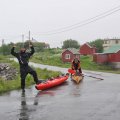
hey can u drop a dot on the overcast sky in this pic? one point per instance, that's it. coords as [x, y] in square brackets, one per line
[17, 17]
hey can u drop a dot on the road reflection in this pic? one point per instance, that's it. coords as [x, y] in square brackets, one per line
[24, 115]
[26, 109]
[50, 93]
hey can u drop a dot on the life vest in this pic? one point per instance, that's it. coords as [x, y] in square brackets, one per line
[75, 66]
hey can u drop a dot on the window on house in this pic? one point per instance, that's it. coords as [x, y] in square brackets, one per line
[78, 56]
[67, 56]
[105, 42]
[116, 41]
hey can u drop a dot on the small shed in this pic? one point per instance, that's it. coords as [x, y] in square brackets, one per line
[100, 58]
[110, 56]
[69, 54]
[86, 49]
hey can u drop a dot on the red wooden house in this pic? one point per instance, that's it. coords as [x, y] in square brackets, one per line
[69, 54]
[86, 49]
[110, 56]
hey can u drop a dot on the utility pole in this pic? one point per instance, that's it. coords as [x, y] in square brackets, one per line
[29, 35]
[23, 40]
[3, 42]
[29, 39]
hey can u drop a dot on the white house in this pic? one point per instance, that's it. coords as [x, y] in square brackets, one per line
[110, 42]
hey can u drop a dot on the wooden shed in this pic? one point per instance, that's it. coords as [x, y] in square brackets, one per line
[69, 54]
[100, 58]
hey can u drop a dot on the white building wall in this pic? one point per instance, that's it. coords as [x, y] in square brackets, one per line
[109, 42]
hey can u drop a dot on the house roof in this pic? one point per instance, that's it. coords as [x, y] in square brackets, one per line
[113, 49]
[73, 50]
[88, 45]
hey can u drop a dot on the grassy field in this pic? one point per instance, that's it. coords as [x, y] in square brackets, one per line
[7, 85]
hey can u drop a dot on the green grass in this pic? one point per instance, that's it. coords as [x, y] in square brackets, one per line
[86, 62]
[49, 59]
[7, 85]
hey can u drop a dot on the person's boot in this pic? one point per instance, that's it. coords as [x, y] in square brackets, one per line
[38, 82]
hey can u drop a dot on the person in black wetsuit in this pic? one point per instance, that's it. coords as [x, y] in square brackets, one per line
[23, 58]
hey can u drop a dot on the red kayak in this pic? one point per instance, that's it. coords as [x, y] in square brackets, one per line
[51, 83]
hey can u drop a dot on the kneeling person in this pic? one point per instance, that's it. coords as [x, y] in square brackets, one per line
[76, 65]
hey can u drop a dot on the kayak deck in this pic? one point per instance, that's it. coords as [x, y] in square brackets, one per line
[77, 78]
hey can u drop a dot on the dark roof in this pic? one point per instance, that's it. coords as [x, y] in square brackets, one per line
[112, 49]
[73, 50]
[111, 39]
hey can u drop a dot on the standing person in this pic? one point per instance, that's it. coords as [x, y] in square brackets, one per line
[23, 58]
[76, 65]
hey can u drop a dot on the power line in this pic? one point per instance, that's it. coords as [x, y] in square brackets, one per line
[82, 23]
[77, 25]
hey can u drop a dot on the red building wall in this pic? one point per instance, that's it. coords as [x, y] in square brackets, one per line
[100, 58]
[64, 54]
[114, 57]
[87, 50]
[72, 56]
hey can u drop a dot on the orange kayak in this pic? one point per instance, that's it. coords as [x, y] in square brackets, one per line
[77, 78]
[51, 83]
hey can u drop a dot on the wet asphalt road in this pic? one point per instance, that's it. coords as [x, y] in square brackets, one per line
[92, 99]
